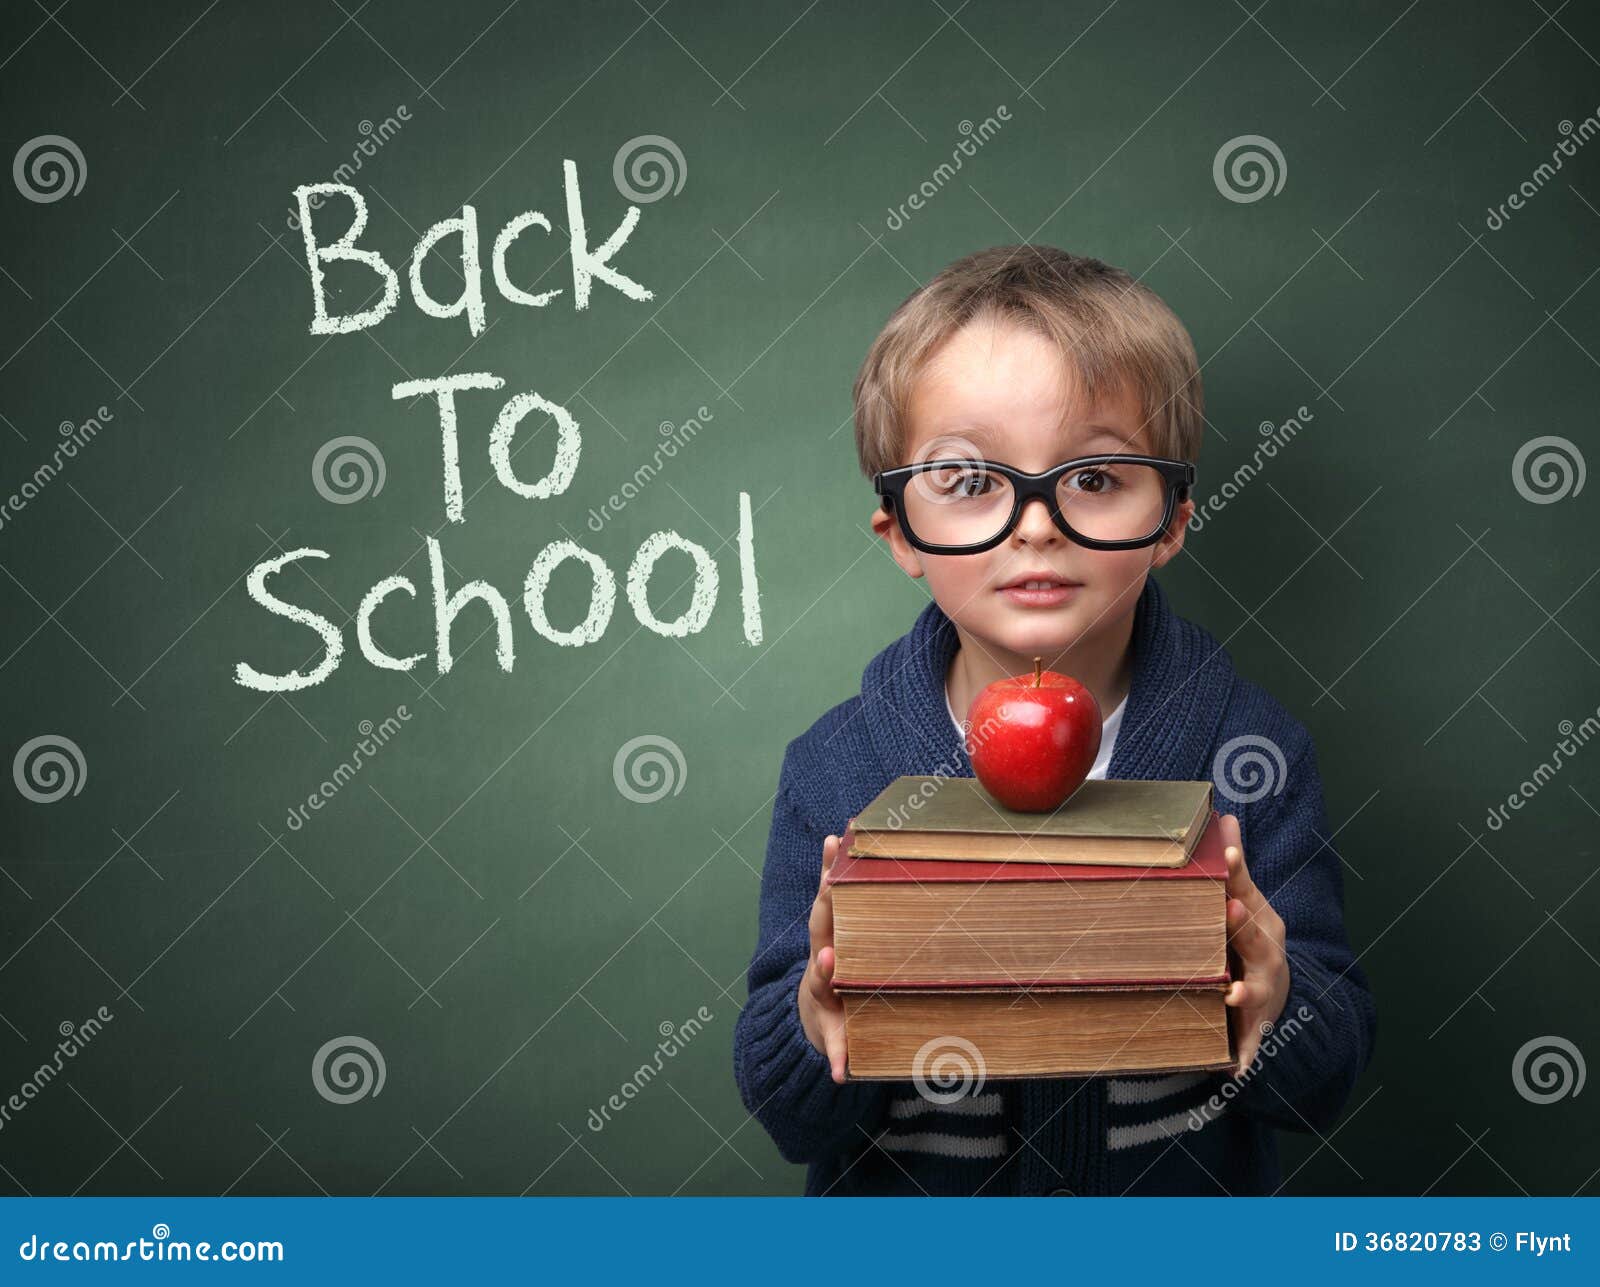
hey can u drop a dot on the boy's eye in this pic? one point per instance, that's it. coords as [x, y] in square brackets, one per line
[962, 481]
[1095, 481]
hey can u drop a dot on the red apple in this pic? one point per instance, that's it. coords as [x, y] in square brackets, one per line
[1034, 738]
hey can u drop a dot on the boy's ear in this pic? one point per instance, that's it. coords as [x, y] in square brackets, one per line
[887, 526]
[1172, 540]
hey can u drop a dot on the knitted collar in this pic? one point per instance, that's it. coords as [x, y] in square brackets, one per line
[1182, 678]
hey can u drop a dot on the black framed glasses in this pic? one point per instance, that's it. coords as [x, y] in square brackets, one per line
[963, 506]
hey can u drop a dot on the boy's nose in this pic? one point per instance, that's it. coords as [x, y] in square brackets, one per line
[1035, 525]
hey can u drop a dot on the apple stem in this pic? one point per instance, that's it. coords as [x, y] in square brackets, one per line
[1037, 679]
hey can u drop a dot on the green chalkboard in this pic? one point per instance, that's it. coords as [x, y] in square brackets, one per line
[516, 885]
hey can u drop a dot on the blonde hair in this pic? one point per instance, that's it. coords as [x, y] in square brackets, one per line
[1112, 332]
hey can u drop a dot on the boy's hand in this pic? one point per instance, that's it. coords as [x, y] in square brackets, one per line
[821, 1008]
[1256, 935]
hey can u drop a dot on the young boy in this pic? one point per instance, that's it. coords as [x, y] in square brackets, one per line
[1030, 358]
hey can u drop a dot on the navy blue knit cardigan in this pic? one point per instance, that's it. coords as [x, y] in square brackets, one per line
[1182, 1134]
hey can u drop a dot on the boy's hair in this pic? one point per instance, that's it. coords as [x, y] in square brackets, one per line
[1110, 329]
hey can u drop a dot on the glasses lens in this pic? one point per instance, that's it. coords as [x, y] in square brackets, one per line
[957, 502]
[1112, 502]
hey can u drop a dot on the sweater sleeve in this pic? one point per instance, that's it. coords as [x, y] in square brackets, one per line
[783, 1079]
[1310, 1060]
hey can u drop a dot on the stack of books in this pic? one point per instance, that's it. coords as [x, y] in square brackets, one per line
[1088, 941]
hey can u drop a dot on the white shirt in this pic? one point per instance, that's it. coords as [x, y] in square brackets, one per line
[1108, 735]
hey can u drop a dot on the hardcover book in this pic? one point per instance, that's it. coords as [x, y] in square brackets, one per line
[1116, 822]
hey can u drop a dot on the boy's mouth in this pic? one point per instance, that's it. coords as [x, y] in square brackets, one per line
[1039, 590]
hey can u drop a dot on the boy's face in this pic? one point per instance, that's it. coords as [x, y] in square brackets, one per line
[998, 390]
